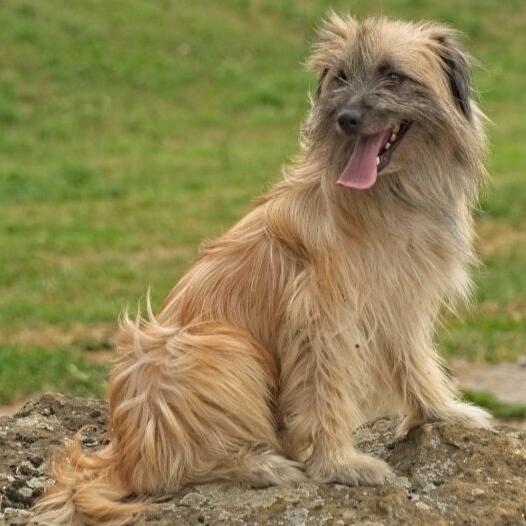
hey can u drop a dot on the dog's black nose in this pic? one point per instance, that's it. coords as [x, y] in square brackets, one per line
[350, 120]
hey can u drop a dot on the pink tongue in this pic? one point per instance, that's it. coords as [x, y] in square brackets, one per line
[361, 171]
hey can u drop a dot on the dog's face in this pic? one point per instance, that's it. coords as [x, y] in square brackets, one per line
[385, 90]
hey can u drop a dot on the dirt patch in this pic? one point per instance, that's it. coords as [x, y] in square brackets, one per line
[445, 475]
[84, 337]
[99, 357]
[507, 381]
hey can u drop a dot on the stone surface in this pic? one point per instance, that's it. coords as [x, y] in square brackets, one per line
[446, 475]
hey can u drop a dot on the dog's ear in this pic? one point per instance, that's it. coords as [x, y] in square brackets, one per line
[457, 67]
[458, 70]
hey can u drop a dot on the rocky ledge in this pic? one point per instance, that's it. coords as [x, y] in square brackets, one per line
[446, 475]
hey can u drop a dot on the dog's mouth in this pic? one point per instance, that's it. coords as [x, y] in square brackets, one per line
[372, 153]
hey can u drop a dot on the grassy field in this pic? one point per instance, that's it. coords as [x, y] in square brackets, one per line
[131, 130]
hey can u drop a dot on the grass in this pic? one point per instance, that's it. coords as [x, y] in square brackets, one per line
[43, 369]
[134, 129]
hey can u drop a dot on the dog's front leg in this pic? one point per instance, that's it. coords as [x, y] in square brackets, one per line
[428, 395]
[319, 412]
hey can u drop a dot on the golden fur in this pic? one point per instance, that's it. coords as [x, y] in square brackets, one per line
[315, 312]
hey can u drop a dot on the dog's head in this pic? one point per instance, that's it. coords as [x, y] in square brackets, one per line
[387, 91]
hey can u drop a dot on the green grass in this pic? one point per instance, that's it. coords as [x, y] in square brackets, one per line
[134, 129]
[33, 369]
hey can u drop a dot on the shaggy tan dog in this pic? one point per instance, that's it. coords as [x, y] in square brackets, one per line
[316, 311]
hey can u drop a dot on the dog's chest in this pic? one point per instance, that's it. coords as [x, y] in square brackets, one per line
[418, 267]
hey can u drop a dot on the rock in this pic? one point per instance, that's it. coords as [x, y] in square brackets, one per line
[428, 488]
[422, 506]
[193, 500]
[296, 516]
[14, 517]
[446, 475]
[402, 482]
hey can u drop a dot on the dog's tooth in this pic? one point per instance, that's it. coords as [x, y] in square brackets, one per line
[387, 145]
[396, 128]
[377, 161]
[393, 137]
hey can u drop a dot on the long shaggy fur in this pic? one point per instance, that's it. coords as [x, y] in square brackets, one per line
[315, 312]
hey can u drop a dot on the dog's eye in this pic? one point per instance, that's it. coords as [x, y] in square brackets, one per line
[341, 76]
[394, 77]
[387, 72]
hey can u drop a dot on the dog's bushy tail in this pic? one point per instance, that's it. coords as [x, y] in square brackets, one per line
[90, 488]
[184, 404]
[87, 491]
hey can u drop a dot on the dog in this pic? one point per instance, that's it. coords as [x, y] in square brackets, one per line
[316, 311]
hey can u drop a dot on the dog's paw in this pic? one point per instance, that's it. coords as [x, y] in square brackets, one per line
[408, 423]
[468, 415]
[272, 469]
[358, 469]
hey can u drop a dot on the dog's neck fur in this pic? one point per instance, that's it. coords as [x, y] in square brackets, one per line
[420, 211]
[443, 190]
